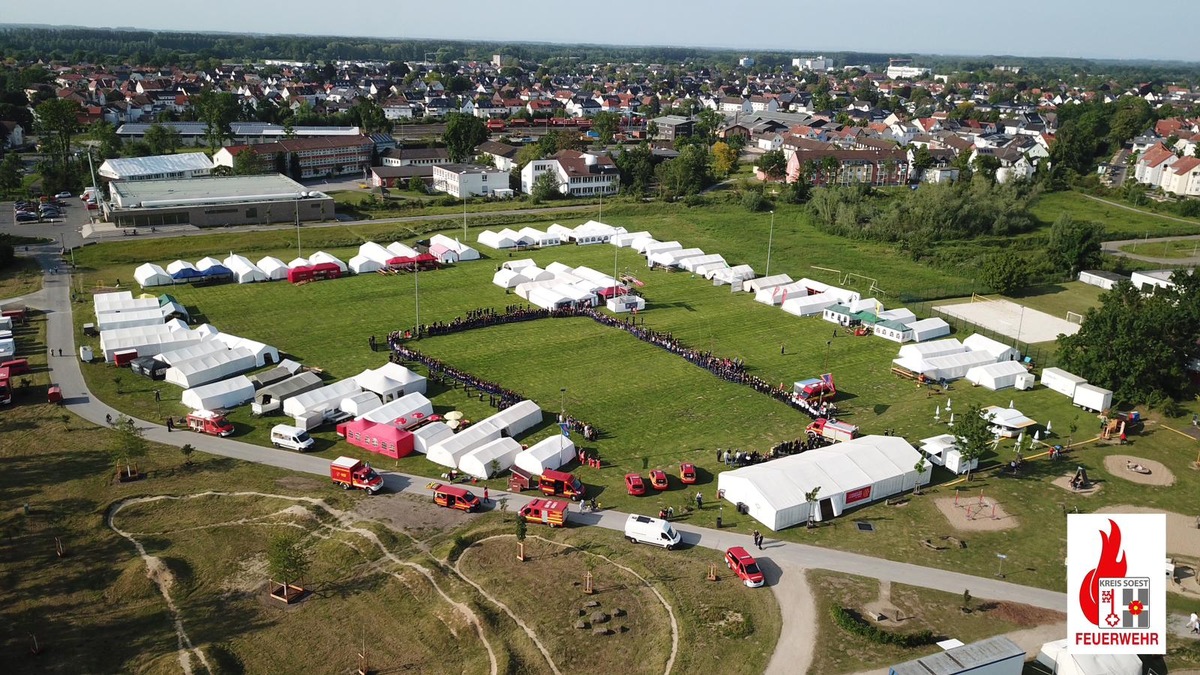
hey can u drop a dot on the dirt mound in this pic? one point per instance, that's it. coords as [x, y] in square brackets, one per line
[131, 584]
[1121, 466]
[1025, 616]
[1064, 482]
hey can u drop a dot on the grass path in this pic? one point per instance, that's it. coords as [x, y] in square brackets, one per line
[1152, 214]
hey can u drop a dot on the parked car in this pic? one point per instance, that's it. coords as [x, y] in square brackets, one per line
[63, 195]
[634, 484]
[27, 217]
[658, 479]
[742, 564]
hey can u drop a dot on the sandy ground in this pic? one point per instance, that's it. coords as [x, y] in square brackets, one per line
[1183, 538]
[794, 650]
[1008, 318]
[981, 519]
[1064, 482]
[1159, 475]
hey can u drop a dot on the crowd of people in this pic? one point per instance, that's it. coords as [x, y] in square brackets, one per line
[498, 397]
[809, 442]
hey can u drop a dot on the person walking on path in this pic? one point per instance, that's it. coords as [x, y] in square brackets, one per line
[758, 539]
[782, 350]
[486, 498]
[170, 424]
[1194, 623]
[157, 396]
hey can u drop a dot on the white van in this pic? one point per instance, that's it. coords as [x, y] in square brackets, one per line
[647, 530]
[292, 438]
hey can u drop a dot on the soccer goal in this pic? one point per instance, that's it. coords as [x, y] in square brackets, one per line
[975, 297]
[1074, 317]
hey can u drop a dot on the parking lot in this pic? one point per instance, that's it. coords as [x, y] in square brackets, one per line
[65, 228]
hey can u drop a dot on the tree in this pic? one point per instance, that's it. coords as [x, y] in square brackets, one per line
[973, 435]
[371, 117]
[1137, 345]
[922, 158]
[637, 168]
[545, 187]
[773, 164]
[186, 450]
[55, 124]
[246, 163]
[811, 498]
[521, 532]
[708, 123]
[10, 172]
[652, 130]
[463, 133]
[606, 124]
[108, 142]
[1005, 272]
[1074, 245]
[128, 444]
[921, 467]
[287, 561]
[687, 174]
[162, 138]
[724, 159]
[217, 110]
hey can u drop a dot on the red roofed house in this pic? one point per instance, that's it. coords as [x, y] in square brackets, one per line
[1150, 166]
[1183, 177]
[579, 174]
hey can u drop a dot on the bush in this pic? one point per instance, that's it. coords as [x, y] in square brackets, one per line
[753, 202]
[694, 200]
[851, 623]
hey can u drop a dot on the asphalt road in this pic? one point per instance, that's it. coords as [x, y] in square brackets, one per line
[54, 299]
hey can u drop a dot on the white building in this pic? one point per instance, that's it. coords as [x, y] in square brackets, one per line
[459, 180]
[578, 174]
[816, 63]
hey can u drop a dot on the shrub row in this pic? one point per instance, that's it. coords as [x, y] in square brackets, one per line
[850, 622]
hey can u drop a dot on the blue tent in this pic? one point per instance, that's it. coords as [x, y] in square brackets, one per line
[217, 272]
[187, 274]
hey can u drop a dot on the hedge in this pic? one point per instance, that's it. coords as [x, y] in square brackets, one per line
[850, 622]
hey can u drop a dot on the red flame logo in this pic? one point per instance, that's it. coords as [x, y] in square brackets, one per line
[1112, 565]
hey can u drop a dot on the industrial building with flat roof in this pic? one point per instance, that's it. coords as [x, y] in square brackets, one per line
[157, 167]
[192, 133]
[215, 202]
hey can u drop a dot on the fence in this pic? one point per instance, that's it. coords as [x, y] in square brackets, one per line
[1043, 355]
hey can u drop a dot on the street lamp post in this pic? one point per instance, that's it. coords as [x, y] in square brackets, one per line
[562, 418]
[464, 194]
[828, 345]
[770, 241]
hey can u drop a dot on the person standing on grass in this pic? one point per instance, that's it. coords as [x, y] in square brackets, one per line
[699, 501]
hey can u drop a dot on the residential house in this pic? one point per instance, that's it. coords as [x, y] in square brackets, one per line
[1013, 163]
[873, 167]
[470, 180]
[1150, 166]
[1183, 177]
[578, 174]
[503, 156]
[397, 108]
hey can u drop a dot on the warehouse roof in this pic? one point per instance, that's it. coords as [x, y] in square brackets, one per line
[131, 167]
[215, 190]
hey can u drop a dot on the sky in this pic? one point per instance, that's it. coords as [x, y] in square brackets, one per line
[1107, 29]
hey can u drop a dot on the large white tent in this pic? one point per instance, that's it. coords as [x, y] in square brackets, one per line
[517, 418]
[404, 412]
[244, 271]
[954, 366]
[508, 278]
[391, 381]
[656, 247]
[777, 295]
[702, 263]
[264, 354]
[490, 459]
[375, 252]
[673, 258]
[549, 297]
[996, 376]
[734, 276]
[321, 257]
[626, 239]
[808, 305]
[147, 340]
[928, 329]
[451, 250]
[121, 301]
[318, 400]
[429, 435]
[128, 318]
[207, 262]
[298, 262]
[149, 274]
[1057, 657]
[274, 268]
[998, 350]
[449, 451]
[548, 453]
[178, 265]
[852, 473]
[763, 283]
[496, 240]
[191, 352]
[538, 238]
[928, 350]
[210, 367]
[399, 250]
[357, 404]
[223, 394]
[361, 264]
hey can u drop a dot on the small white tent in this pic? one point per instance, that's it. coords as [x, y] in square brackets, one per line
[361, 264]
[404, 412]
[149, 274]
[943, 451]
[373, 251]
[928, 329]
[517, 418]
[538, 238]
[998, 350]
[399, 250]
[264, 354]
[996, 376]
[461, 251]
[298, 262]
[808, 305]
[490, 459]
[712, 260]
[657, 247]
[626, 239]
[223, 394]
[763, 283]
[673, 258]
[180, 265]
[244, 271]
[449, 451]
[207, 262]
[495, 240]
[508, 279]
[357, 404]
[211, 367]
[548, 453]
[274, 268]
[429, 435]
[735, 276]
[518, 265]
[322, 257]
[391, 381]
[325, 398]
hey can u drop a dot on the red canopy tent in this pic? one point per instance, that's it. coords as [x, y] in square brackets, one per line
[423, 260]
[385, 439]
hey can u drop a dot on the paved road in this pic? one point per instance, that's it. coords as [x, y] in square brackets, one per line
[1114, 248]
[55, 300]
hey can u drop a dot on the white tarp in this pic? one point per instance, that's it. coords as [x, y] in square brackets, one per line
[224, 394]
[490, 459]
[244, 271]
[149, 274]
[996, 376]
[851, 473]
[548, 453]
[320, 400]
[404, 412]
[274, 268]
[210, 367]
[429, 435]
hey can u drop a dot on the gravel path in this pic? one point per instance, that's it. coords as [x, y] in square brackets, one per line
[794, 650]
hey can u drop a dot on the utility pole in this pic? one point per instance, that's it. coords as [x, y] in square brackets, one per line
[298, 254]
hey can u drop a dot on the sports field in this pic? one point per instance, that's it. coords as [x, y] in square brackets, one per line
[1008, 318]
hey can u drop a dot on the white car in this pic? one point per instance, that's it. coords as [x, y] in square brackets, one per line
[63, 195]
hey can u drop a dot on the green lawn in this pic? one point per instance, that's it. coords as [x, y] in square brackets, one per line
[655, 409]
[22, 277]
[1118, 223]
[1177, 248]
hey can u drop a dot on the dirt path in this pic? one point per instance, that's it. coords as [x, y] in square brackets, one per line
[794, 649]
[345, 519]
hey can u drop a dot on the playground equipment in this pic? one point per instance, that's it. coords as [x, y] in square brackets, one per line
[1080, 481]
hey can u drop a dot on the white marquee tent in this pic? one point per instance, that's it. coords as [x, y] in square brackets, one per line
[404, 412]
[549, 297]
[518, 265]
[149, 274]
[376, 252]
[496, 240]
[391, 381]
[274, 268]
[763, 283]
[654, 248]
[429, 435]
[361, 264]
[321, 257]
[399, 250]
[517, 418]
[996, 376]
[673, 258]
[449, 451]
[928, 329]
[121, 300]
[548, 453]
[942, 450]
[357, 404]
[128, 318]
[639, 244]
[490, 459]
[264, 354]
[954, 366]
[713, 260]
[778, 294]
[223, 394]
[849, 474]
[147, 340]
[998, 350]
[178, 265]
[733, 276]
[461, 251]
[538, 238]
[317, 400]
[626, 239]
[211, 367]
[244, 271]
[808, 305]
[298, 262]
[207, 262]
[191, 352]
[620, 304]
[508, 278]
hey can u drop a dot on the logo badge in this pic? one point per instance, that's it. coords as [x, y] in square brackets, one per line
[1116, 585]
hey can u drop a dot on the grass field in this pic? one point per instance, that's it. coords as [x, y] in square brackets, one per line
[839, 651]
[1118, 223]
[23, 277]
[1176, 248]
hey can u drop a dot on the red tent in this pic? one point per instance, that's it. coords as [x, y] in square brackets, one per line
[385, 439]
[326, 271]
[298, 274]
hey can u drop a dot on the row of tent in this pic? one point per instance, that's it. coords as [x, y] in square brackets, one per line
[234, 268]
[591, 232]
[373, 257]
[558, 285]
[122, 310]
[950, 359]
